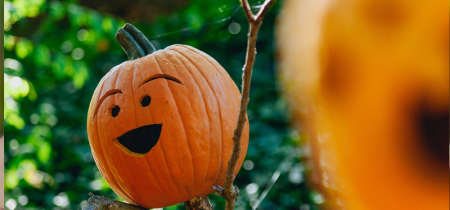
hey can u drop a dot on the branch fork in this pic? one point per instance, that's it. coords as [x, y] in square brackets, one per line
[229, 191]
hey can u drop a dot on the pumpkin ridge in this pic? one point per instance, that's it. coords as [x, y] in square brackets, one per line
[146, 158]
[165, 117]
[119, 187]
[132, 92]
[207, 113]
[115, 70]
[204, 55]
[113, 178]
[220, 115]
[221, 132]
[226, 80]
[148, 166]
[134, 185]
[99, 152]
[136, 117]
[165, 158]
[182, 122]
[215, 64]
[191, 110]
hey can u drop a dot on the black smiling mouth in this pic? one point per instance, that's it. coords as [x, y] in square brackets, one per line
[139, 141]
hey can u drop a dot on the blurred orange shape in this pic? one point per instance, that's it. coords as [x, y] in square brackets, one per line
[370, 80]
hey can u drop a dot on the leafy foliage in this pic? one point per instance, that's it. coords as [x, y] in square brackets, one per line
[57, 52]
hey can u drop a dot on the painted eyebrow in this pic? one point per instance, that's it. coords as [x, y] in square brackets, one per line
[109, 93]
[157, 76]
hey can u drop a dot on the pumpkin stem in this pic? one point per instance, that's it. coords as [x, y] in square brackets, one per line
[134, 42]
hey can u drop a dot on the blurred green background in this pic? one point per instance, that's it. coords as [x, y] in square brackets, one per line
[57, 52]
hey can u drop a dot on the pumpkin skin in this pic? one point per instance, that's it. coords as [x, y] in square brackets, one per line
[198, 117]
[369, 80]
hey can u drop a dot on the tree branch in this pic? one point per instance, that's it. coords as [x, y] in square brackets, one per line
[263, 11]
[247, 10]
[230, 192]
[96, 202]
[199, 203]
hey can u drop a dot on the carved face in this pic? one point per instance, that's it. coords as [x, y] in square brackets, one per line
[160, 126]
[140, 140]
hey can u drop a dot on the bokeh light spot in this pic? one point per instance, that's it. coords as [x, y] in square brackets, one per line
[234, 28]
[16, 81]
[61, 200]
[318, 198]
[82, 34]
[13, 64]
[34, 119]
[295, 136]
[248, 165]
[66, 46]
[252, 188]
[23, 200]
[96, 185]
[11, 204]
[77, 53]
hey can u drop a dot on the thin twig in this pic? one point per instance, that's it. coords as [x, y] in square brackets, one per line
[262, 12]
[247, 10]
[284, 166]
[96, 202]
[230, 192]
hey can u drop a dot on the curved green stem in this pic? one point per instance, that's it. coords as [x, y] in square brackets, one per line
[134, 42]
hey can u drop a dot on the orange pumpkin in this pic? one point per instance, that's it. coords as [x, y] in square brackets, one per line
[369, 79]
[160, 125]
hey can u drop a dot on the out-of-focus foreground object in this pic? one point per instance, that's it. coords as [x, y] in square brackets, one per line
[369, 81]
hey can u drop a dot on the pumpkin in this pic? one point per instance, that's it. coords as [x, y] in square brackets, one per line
[369, 81]
[160, 124]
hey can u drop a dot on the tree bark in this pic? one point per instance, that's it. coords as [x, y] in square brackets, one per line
[199, 203]
[96, 202]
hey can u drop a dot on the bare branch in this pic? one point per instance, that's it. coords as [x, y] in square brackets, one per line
[230, 192]
[263, 11]
[96, 202]
[199, 203]
[247, 10]
[222, 192]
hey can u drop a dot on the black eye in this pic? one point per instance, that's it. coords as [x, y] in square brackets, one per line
[146, 101]
[115, 111]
